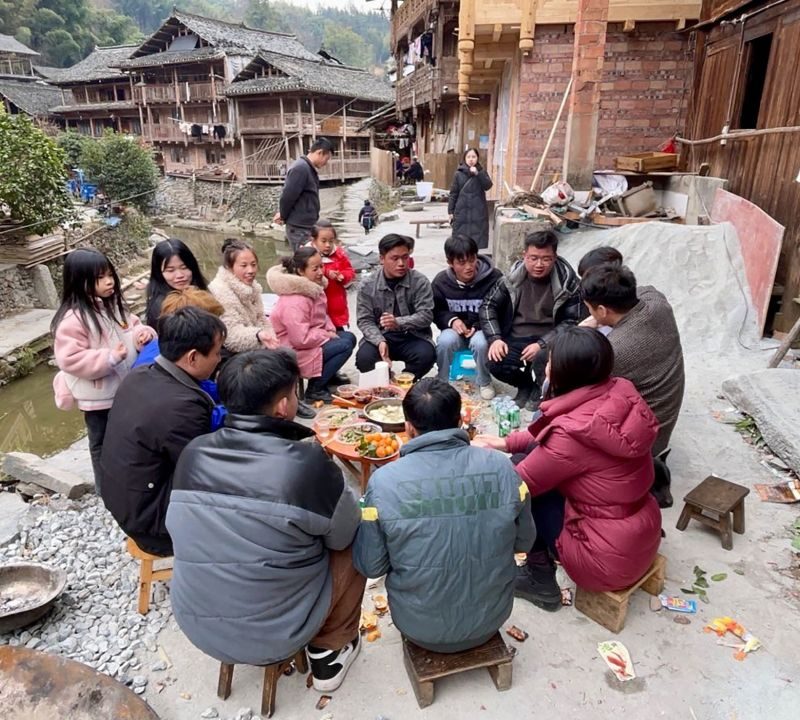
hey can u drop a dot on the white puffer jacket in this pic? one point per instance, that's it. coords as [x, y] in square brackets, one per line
[244, 310]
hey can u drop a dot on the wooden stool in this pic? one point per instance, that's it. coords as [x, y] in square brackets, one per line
[712, 502]
[609, 609]
[424, 666]
[271, 675]
[147, 576]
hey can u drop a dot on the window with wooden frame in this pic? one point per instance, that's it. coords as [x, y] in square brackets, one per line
[754, 79]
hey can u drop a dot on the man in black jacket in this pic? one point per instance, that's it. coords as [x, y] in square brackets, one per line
[415, 173]
[523, 311]
[458, 293]
[157, 410]
[299, 203]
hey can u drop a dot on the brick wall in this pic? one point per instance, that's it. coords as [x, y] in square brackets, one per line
[644, 93]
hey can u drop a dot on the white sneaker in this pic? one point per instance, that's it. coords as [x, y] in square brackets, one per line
[487, 391]
[328, 667]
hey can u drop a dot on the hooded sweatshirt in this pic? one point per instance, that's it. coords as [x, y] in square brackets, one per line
[453, 299]
[594, 448]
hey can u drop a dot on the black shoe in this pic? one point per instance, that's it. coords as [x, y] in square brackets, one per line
[537, 584]
[319, 393]
[522, 397]
[305, 411]
[328, 667]
[339, 379]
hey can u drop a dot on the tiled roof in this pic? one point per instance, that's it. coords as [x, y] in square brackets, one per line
[50, 73]
[33, 98]
[173, 58]
[9, 44]
[229, 37]
[94, 107]
[100, 65]
[313, 75]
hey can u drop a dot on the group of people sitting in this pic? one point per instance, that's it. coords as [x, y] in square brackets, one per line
[271, 550]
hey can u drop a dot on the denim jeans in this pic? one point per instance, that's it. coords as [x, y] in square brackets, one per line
[450, 342]
[335, 353]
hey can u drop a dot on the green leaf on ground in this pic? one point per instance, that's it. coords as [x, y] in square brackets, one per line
[704, 598]
[701, 582]
[698, 571]
[688, 592]
[719, 577]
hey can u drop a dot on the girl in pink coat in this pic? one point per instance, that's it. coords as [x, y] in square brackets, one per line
[586, 460]
[300, 320]
[96, 341]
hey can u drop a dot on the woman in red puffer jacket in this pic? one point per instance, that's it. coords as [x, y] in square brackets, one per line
[587, 463]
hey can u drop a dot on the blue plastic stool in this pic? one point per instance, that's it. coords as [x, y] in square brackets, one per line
[463, 365]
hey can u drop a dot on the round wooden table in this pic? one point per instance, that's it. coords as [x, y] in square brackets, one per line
[359, 467]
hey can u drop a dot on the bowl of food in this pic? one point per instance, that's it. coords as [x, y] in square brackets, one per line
[379, 446]
[386, 392]
[388, 413]
[348, 392]
[336, 417]
[353, 433]
[363, 395]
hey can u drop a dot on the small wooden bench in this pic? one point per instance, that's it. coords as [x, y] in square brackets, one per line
[428, 221]
[609, 609]
[424, 667]
[147, 576]
[712, 503]
[272, 674]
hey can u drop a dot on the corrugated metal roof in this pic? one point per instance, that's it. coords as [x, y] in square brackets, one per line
[33, 98]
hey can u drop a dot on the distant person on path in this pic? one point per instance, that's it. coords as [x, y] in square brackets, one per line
[458, 293]
[261, 522]
[395, 311]
[173, 266]
[96, 341]
[647, 350]
[159, 409]
[415, 173]
[337, 268]
[467, 204]
[299, 203]
[443, 523]
[521, 314]
[367, 216]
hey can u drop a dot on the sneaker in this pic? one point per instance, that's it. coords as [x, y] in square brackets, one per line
[328, 667]
[487, 391]
[305, 411]
[537, 584]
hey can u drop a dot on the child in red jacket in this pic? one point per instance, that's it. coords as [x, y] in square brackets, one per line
[337, 268]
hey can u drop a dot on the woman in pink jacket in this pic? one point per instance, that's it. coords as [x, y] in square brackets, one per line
[586, 461]
[300, 320]
[96, 343]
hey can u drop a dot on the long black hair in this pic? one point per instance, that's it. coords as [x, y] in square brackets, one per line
[158, 288]
[82, 267]
[297, 263]
[579, 356]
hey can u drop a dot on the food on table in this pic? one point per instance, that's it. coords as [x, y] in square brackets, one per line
[379, 445]
[337, 417]
[353, 433]
[348, 392]
[363, 395]
[390, 414]
[405, 380]
[383, 393]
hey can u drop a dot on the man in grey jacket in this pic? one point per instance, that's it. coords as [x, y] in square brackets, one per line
[395, 311]
[261, 522]
[443, 522]
[299, 203]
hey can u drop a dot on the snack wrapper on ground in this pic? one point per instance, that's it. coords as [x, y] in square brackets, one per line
[722, 625]
[617, 658]
[678, 604]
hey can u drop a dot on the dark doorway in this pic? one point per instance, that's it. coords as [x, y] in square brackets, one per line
[758, 51]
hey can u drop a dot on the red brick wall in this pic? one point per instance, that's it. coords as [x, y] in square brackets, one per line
[644, 94]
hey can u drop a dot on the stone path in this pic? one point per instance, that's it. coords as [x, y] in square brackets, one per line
[23, 328]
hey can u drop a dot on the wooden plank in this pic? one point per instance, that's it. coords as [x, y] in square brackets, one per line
[432, 666]
[629, 26]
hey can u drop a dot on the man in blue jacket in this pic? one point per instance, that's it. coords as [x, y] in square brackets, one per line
[443, 523]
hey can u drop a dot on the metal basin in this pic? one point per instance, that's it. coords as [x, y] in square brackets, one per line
[34, 684]
[27, 592]
[388, 427]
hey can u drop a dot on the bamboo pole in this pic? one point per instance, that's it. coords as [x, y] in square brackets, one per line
[539, 169]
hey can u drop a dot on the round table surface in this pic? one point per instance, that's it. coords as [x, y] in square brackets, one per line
[349, 452]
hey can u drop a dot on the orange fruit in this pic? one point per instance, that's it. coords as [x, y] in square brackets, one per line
[380, 452]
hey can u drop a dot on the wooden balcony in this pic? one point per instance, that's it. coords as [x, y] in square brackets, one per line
[427, 83]
[183, 92]
[407, 15]
[165, 133]
[250, 124]
[353, 164]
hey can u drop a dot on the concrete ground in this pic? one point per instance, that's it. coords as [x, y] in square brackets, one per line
[681, 671]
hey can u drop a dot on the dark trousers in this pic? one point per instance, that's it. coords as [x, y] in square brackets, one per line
[335, 353]
[96, 422]
[513, 371]
[419, 355]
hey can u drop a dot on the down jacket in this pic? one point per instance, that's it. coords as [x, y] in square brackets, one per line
[499, 306]
[335, 291]
[300, 318]
[244, 314]
[253, 512]
[467, 204]
[594, 447]
[444, 522]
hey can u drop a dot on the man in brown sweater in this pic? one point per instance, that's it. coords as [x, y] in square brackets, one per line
[646, 342]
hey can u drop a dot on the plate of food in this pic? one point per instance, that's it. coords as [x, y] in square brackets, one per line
[379, 446]
[353, 433]
[337, 417]
[386, 392]
[388, 413]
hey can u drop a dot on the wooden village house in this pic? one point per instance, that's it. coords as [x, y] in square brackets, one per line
[22, 89]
